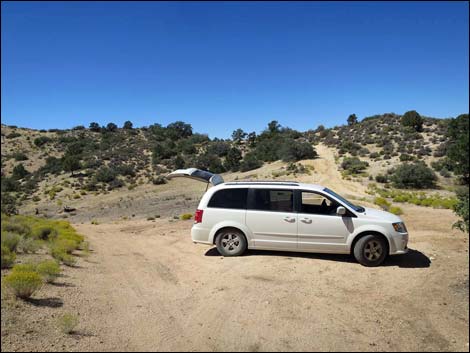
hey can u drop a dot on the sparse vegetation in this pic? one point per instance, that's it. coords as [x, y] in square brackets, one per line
[8, 257]
[67, 323]
[23, 283]
[49, 270]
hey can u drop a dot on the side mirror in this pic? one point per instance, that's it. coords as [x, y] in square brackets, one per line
[340, 211]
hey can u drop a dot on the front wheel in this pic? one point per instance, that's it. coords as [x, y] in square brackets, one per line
[231, 242]
[371, 250]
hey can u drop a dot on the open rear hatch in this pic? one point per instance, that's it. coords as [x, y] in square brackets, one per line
[197, 174]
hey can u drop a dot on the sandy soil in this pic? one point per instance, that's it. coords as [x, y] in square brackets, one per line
[147, 287]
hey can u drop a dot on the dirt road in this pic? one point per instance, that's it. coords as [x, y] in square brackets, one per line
[147, 287]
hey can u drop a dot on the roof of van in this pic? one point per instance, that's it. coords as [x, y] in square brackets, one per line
[273, 183]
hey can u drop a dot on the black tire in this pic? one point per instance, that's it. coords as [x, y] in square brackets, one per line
[231, 242]
[371, 250]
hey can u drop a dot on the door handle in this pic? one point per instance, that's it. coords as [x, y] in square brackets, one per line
[289, 219]
[306, 220]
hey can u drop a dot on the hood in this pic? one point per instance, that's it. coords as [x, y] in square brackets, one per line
[382, 215]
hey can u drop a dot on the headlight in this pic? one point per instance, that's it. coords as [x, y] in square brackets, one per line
[399, 227]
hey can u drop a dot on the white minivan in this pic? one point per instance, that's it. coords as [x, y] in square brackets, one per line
[291, 216]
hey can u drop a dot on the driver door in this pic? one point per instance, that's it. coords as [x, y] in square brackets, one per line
[319, 227]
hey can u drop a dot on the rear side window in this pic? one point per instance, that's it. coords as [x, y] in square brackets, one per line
[229, 198]
[273, 200]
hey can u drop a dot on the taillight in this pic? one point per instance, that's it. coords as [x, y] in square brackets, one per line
[198, 216]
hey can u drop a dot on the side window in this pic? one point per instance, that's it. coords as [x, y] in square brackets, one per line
[229, 198]
[317, 204]
[273, 200]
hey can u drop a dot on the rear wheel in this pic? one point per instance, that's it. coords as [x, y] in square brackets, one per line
[371, 250]
[231, 242]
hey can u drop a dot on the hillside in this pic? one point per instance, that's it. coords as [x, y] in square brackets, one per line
[125, 167]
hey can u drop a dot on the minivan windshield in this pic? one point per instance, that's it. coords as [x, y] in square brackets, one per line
[343, 200]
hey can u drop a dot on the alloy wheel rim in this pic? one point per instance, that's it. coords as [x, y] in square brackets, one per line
[373, 250]
[231, 242]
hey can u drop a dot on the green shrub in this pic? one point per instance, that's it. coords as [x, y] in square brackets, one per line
[61, 255]
[42, 140]
[49, 270]
[23, 284]
[380, 178]
[67, 323]
[186, 216]
[396, 210]
[413, 175]
[412, 119]
[159, 180]
[383, 203]
[45, 232]
[28, 267]
[15, 226]
[20, 156]
[461, 209]
[353, 165]
[8, 257]
[29, 245]
[11, 241]
[250, 162]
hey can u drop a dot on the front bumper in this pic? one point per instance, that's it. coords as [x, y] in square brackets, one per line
[400, 244]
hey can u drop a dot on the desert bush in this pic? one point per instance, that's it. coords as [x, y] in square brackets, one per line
[49, 270]
[27, 267]
[10, 240]
[159, 180]
[380, 178]
[13, 135]
[292, 151]
[186, 216]
[19, 172]
[383, 203]
[61, 255]
[29, 245]
[20, 156]
[415, 175]
[44, 232]
[8, 257]
[105, 175]
[67, 323]
[395, 210]
[250, 162]
[412, 119]
[41, 141]
[23, 284]
[461, 209]
[14, 225]
[406, 157]
[354, 165]
[150, 218]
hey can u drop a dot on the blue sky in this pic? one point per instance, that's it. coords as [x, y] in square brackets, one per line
[224, 65]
